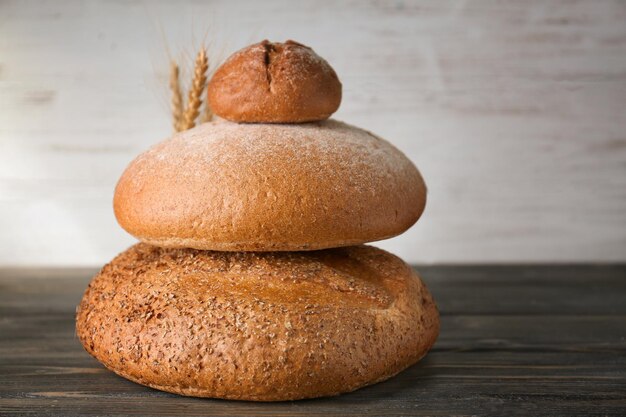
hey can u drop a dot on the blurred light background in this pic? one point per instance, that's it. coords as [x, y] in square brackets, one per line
[514, 111]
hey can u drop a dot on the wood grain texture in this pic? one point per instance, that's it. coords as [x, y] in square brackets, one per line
[515, 340]
[513, 111]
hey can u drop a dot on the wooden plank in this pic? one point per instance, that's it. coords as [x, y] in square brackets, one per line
[524, 289]
[445, 383]
[512, 289]
[511, 357]
[18, 343]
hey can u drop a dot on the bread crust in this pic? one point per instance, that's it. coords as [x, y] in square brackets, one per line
[275, 83]
[257, 326]
[269, 187]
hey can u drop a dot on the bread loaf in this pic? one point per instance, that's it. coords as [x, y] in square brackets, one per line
[275, 83]
[269, 187]
[257, 326]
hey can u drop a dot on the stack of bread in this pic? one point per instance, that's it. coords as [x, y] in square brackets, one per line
[251, 281]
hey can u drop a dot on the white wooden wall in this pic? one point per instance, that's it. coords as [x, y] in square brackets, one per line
[515, 112]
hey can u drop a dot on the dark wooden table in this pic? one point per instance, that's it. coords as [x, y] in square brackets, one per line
[515, 340]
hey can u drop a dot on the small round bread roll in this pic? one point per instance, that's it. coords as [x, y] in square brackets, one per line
[275, 83]
[269, 187]
[257, 326]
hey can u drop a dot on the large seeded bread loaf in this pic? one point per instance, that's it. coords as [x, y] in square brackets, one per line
[257, 326]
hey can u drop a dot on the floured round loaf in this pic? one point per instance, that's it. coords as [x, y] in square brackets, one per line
[257, 326]
[269, 187]
[274, 83]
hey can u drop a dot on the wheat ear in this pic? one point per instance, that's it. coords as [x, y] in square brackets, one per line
[196, 91]
[177, 97]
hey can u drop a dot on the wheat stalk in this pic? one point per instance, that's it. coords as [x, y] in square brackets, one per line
[177, 97]
[194, 101]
